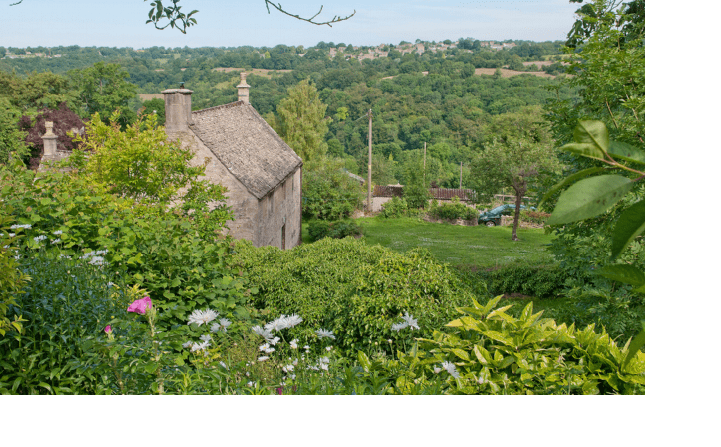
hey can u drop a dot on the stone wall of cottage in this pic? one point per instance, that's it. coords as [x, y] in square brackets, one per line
[278, 219]
[244, 204]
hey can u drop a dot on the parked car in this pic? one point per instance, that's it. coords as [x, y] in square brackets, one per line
[493, 217]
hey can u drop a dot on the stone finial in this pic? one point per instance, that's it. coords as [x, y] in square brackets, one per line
[50, 140]
[49, 129]
[243, 89]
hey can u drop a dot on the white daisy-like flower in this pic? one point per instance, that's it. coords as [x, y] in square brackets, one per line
[451, 368]
[225, 323]
[294, 344]
[293, 320]
[311, 367]
[42, 237]
[328, 348]
[11, 234]
[295, 362]
[292, 376]
[58, 233]
[187, 344]
[262, 332]
[274, 341]
[322, 333]
[263, 347]
[215, 327]
[251, 383]
[205, 337]
[306, 347]
[399, 326]
[202, 316]
[410, 321]
[263, 358]
[198, 347]
[56, 241]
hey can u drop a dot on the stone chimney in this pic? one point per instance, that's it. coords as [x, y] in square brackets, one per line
[243, 89]
[50, 141]
[177, 110]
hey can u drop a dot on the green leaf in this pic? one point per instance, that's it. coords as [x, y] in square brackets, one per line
[592, 132]
[626, 152]
[589, 197]
[585, 150]
[637, 341]
[568, 180]
[151, 367]
[631, 223]
[626, 274]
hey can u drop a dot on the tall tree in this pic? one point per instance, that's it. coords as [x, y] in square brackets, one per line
[516, 163]
[301, 122]
[102, 89]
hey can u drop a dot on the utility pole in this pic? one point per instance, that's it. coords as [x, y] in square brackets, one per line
[424, 164]
[461, 187]
[370, 154]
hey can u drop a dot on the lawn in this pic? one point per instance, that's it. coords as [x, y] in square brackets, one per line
[480, 246]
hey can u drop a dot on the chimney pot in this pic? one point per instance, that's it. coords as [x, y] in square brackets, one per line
[50, 140]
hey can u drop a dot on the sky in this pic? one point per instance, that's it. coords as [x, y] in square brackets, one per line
[226, 23]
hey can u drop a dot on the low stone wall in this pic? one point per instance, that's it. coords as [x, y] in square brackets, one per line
[465, 223]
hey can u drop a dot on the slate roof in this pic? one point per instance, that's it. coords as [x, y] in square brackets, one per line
[246, 145]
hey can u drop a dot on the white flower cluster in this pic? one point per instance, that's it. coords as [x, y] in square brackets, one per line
[15, 227]
[42, 237]
[96, 257]
[58, 233]
[283, 322]
[408, 321]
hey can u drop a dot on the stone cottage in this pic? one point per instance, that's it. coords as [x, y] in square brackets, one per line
[261, 172]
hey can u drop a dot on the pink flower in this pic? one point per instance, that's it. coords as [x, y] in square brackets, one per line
[108, 329]
[141, 305]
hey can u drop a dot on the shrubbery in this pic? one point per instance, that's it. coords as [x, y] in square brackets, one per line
[491, 352]
[395, 207]
[534, 217]
[454, 210]
[355, 290]
[318, 229]
[179, 260]
[329, 193]
[534, 280]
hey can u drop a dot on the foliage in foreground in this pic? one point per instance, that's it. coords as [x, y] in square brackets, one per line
[355, 290]
[319, 229]
[178, 259]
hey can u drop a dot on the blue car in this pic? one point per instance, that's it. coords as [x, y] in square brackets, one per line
[493, 217]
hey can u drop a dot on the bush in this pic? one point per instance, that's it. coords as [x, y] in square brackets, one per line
[329, 193]
[396, 207]
[452, 211]
[492, 352]
[65, 302]
[178, 259]
[533, 280]
[355, 290]
[319, 229]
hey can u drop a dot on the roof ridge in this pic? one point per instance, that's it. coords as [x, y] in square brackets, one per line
[222, 106]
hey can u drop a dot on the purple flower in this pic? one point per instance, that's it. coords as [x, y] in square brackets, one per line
[141, 306]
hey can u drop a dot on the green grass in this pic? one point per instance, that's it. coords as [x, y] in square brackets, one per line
[479, 246]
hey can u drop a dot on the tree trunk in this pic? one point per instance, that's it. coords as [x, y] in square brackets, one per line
[517, 212]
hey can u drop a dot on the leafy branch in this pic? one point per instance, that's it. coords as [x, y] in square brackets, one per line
[175, 19]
